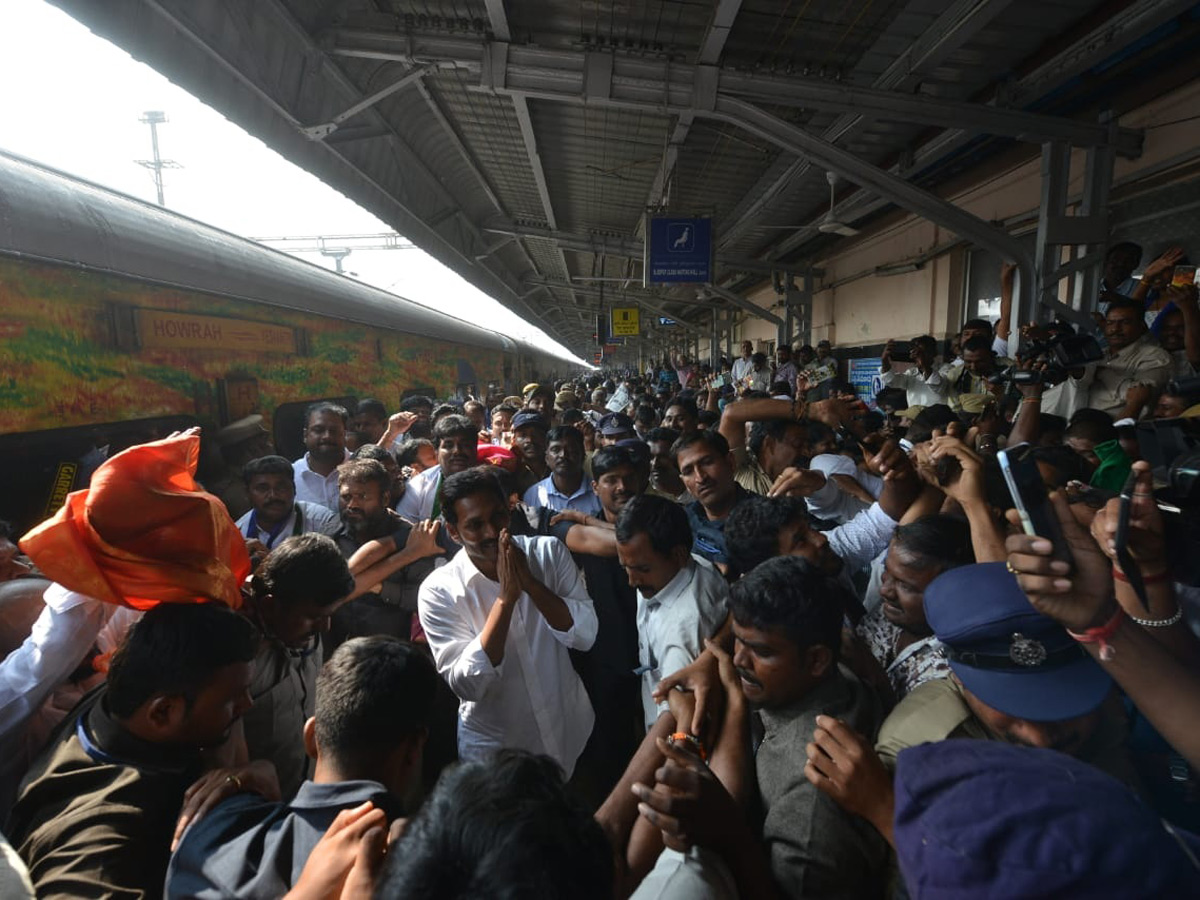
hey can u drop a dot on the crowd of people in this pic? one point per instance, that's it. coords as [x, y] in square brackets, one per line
[688, 632]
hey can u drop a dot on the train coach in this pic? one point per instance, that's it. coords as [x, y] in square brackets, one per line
[121, 321]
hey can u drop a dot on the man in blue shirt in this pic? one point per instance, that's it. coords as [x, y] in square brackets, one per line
[565, 487]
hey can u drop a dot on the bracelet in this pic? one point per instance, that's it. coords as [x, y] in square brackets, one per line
[1031, 399]
[1159, 578]
[1160, 623]
[1101, 635]
[692, 740]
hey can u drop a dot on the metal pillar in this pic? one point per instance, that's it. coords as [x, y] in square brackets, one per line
[1084, 234]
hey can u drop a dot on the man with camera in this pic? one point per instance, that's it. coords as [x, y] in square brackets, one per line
[923, 384]
[1134, 369]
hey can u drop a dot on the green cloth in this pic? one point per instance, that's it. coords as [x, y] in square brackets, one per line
[1115, 466]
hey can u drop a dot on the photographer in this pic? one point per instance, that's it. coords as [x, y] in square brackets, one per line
[1126, 380]
[922, 383]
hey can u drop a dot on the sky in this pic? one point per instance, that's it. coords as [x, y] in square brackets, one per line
[73, 101]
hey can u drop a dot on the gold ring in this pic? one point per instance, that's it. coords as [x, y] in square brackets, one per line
[234, 780]
[1008, 565]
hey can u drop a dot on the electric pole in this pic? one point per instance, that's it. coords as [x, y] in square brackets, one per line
[154, 118]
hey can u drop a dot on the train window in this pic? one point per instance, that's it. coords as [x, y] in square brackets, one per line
[42, 467]
[287, 423]
[981, 298]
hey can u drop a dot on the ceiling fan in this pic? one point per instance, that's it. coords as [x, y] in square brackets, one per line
[829, 223]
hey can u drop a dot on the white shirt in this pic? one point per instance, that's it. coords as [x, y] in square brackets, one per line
[69, 624]
[546, 494]
[314, 488]
[312, 518]
[862, 538]
[673, 624]
[839, 507]
[921, 390]
[740, 369]
[533, 700]
[417, 502]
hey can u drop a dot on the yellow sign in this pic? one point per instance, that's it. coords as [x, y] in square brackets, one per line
[64, 477]
[625, 321]
[162, 329]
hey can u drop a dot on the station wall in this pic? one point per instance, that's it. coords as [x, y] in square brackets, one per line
[853, 307]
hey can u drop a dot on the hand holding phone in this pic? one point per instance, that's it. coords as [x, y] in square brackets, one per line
[1031, 499]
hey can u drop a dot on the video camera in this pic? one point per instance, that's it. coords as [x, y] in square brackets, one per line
[1050, 361]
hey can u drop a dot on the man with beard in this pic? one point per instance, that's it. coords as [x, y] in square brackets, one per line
[500, 618]
[457, 443]
[276, 514]
[529, 430]
[370, 420]
[367, 516]
[786, 625]
[565, 487]
[97, 810]
[325, 445]
[681, 598]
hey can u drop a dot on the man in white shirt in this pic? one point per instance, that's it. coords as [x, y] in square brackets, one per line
[500, 618]
[565, 487]
[743, 365]
[681, 598]
[457, 443]
[276, 514]
[923, 384]
[325, 443]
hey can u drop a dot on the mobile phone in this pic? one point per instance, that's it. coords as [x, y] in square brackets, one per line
[1183, 276]
[1031, 499]
[902, 351]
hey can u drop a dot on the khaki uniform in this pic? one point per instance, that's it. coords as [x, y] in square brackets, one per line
[938, 711]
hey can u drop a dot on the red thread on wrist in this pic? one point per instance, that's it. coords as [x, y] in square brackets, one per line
[692, 741]
[1159, 578]
[1101, 635]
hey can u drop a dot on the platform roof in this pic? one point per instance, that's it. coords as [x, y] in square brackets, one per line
[523, 143]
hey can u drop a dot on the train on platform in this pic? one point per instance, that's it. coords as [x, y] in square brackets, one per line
[121, 321]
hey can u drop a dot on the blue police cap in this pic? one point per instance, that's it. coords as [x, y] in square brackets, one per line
[1008, 654]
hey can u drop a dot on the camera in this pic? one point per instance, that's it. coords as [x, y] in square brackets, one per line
[1053, 358]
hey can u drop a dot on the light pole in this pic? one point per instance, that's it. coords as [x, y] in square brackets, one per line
[154, 118]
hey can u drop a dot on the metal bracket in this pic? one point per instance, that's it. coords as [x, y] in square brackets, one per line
[597, 75]
[322, 131]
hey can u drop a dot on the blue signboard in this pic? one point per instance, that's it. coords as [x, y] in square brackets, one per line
[678, 250]
[864, 375]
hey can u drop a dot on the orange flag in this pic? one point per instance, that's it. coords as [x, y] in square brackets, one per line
[144, 533]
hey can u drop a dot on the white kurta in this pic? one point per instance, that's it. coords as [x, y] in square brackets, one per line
[533, 700]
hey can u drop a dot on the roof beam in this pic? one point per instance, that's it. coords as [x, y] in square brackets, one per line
[954, 27]
[672, 88]
[710, 54]
[742, 303]
[615, 245]
[1131, 24]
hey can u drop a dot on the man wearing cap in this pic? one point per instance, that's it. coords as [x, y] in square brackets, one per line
[325, 450]
[613, 428]
[923, 384]
[457, 444]
[529, 430]
[1017, 676]
[541, 401]
[276, 514]
[565, 487]
[240, 442]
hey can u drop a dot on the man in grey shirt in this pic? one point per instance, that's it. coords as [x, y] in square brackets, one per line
[786, 620]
